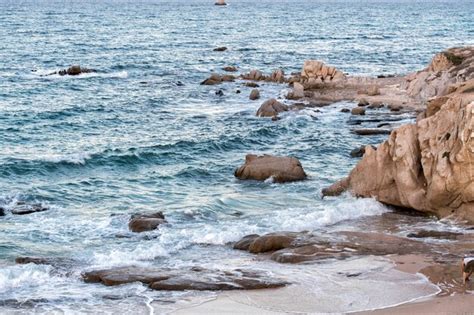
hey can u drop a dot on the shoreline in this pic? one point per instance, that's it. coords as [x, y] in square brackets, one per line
[229, 303]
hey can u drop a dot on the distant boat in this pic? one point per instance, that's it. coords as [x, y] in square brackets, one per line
[220, 2]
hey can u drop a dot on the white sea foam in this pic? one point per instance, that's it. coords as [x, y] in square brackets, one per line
[74, 158]
[21, 276]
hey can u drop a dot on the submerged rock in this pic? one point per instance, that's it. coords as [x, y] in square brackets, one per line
[223, 48]
[435, 234]
[371, 132]
[230, 69]
[195, 278]
[251, 84]
[22, 208]
[146, 222]
[75, 70]
[271, 108]
[279, 169]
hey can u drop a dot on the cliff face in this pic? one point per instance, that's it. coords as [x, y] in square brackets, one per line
[428, 166]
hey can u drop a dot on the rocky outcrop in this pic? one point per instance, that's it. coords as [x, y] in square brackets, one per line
[316, 72]
[427, 166]
[446, 69]
[271, 108]
[279, 169]
[146, 222]
[195, 278]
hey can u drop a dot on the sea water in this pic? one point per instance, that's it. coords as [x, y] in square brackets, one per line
[142, 135]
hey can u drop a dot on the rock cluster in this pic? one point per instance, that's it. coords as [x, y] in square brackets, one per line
[279, 169]
[75, 70]
[277, 76]
[195, 278]
[316, 72]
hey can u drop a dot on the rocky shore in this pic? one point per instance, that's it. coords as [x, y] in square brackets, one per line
[423, 168]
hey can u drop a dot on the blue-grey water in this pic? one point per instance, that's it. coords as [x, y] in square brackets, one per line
[99, 147]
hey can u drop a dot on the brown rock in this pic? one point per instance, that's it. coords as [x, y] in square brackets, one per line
[251, 84]
[75, 70]
[271, 108]
[373, 90]
[363, 102]
[245, 242]
[254, 94]
[270, 242]
[280, 169]
[358, 111]
[146, 222]
[425, 166]
[337, 188]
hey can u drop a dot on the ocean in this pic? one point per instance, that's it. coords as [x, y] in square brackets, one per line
[142, 135]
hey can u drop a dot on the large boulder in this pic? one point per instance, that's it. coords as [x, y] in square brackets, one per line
[279, 169]
[426, 166]
[271, 108]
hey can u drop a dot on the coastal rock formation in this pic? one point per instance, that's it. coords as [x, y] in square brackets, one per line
[146, 222]
[316, 72]
[427, 166]
[271, 108]
[279, 169]
[195, 278]
[448, 68]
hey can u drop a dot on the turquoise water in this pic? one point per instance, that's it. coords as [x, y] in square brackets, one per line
[129, 138]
